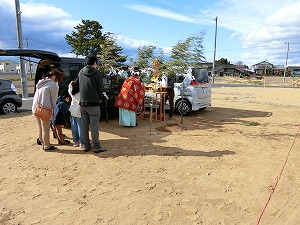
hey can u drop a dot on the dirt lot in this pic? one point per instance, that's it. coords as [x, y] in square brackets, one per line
[219, 166]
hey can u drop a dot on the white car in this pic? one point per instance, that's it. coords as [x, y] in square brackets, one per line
[192, 91]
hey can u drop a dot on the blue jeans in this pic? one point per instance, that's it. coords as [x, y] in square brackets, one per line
[76, 129]
[90, 117]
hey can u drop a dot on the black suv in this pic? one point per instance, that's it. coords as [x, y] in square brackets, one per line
[9, 99]
[71, 68]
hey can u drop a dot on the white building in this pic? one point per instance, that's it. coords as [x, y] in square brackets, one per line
[8, 67]
[11, 67]
[32, 66]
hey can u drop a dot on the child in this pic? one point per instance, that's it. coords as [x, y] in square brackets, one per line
[60, 113]
[75, 115]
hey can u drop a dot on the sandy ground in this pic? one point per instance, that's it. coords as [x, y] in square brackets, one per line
[220, 166]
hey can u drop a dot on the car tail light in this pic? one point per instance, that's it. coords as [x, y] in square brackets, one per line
[193, 82]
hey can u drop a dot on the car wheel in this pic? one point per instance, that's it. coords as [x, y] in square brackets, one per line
[8, 107]
[184, 107]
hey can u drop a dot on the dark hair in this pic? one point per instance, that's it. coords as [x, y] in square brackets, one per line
[75, 88]
[59, 73]
[47, 70]
[65, 94]
[91, 59]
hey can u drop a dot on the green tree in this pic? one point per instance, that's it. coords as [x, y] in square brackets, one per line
[145, 56]
[186, 54]
[89, 39]
[223, 61]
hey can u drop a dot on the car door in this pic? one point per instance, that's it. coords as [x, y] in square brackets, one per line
[38, 54]
[202, 87]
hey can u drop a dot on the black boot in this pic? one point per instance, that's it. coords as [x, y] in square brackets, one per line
[38, 141]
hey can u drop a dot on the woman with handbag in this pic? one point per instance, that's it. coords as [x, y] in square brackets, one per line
[44, 100]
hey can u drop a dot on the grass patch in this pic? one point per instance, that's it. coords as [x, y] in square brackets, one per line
[16, 77]
[257, 82]
[250, 123]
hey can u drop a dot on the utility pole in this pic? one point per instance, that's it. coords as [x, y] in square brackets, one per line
[20, 46]
[287, 56]
[265, 73]
[213, 68]
[29, 60]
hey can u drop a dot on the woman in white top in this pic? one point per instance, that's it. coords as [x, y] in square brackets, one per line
[46, 95]
[75, 115]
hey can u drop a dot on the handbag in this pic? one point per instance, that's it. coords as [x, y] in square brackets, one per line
[42, 113]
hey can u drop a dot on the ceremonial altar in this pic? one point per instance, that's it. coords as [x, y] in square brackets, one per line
[154, 102]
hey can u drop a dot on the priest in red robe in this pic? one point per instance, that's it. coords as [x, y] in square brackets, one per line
[130, 99]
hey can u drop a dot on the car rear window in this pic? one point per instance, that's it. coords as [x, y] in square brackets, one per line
[201, 75]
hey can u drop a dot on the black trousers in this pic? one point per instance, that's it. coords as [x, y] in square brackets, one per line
[170, 96]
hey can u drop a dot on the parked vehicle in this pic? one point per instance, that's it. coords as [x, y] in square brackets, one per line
[192, 91]
[71, 68]
[9, 99]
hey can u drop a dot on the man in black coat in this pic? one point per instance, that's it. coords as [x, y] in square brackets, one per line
[91, 92]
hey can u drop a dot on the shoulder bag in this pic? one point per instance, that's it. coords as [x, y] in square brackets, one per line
[42, 112]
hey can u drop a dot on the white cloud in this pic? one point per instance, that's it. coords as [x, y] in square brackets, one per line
[134, 43]
[263, 27]
[287, 15]
[166, 14]
[268, 23]
[44, 26]
[45, 17]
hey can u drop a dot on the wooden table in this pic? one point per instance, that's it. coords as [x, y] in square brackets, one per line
[155, 101]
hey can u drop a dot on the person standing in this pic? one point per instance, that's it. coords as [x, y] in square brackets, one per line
[60, 112]
[74, 109]
[46, 95]
[170, 95]
[44, 67]
[91, 92]
[130, 99]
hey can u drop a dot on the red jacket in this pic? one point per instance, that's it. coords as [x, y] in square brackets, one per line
[131, 95]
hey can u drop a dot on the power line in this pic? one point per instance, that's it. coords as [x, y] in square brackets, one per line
[46, 43]
[162, 6]
[253, 47]
[33, 40]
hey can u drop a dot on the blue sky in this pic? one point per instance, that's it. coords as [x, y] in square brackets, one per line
[247, 31]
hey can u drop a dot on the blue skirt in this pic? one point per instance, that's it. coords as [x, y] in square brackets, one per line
[127, 118]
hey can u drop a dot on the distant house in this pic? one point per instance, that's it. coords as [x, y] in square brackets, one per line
[278, 70]
[263, 67]
[226, 69]
[260, 69]
[8, 67]
[207, 65]
[293, 71]
[229, 70]
[29, 65]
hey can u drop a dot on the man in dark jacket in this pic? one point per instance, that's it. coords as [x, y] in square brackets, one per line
[91, 91]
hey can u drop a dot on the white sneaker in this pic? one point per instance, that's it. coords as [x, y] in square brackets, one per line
[76, 144]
